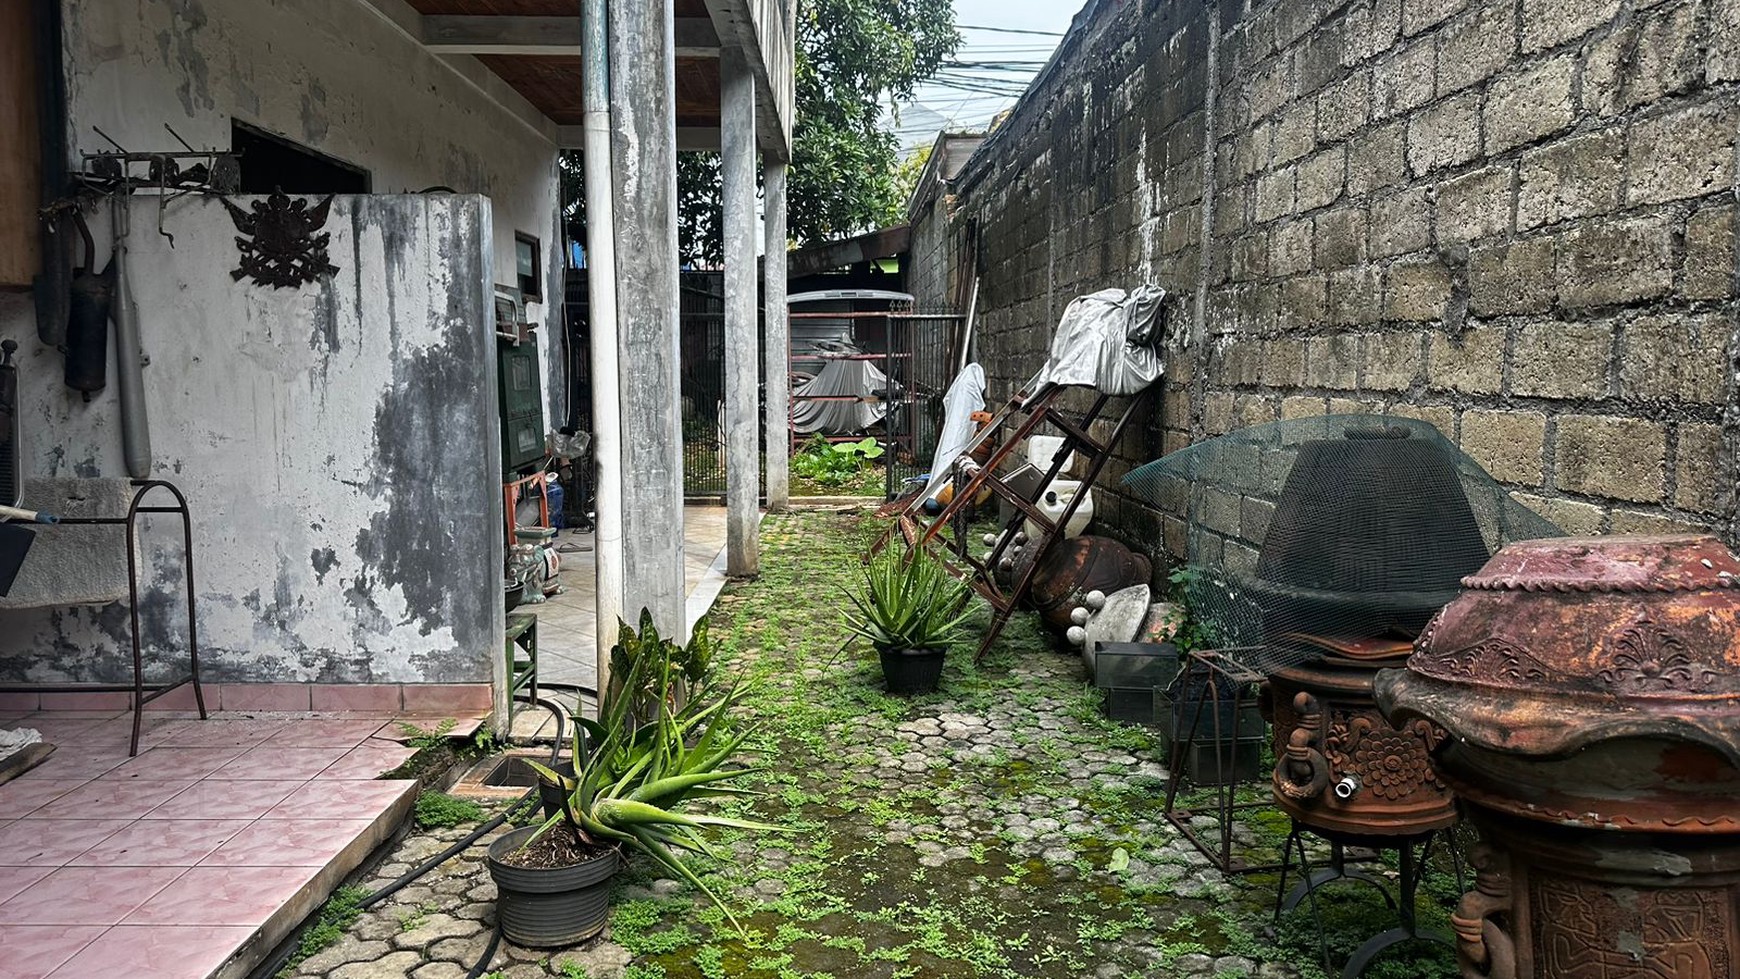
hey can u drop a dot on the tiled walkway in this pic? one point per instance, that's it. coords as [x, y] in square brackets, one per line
[195, 858]
[567, 622]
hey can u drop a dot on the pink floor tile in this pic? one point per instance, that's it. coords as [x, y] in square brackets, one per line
[286, 843]
[34, 951]
[22, 796]
[327, 732]
[269, 762]
[86, 895]
[78, 761]
[87, 700]
[63, 729]
[164, 763]
[215, 732]
[223, 896]
[341, 799]
[15, 879]
[376, 698]
[156, 952]
[52, 842]
[368, 762]
[265, 696]
[113, 800]
[17, 702]
[450, 725]
[160, 843]
[435, 698]
[216, 798]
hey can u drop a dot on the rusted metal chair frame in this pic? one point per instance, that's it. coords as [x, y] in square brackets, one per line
[1044, 410]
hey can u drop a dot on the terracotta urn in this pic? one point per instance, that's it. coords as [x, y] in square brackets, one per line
[1589, 691]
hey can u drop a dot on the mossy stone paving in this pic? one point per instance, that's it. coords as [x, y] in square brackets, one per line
[999, 828]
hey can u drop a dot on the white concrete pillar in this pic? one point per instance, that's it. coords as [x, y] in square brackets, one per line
[742, 333]
[644, 157]
[601, 302]
[777, 330]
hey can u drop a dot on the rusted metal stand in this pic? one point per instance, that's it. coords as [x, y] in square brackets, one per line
[1414, 850]
[1226, 688]
[143, 693]
[1008, 431]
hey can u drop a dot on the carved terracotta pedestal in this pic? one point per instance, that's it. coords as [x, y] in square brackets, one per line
[1342, 768]
[1591, 691]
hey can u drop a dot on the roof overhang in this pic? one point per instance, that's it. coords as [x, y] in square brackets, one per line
[830, 255]
[526, 55]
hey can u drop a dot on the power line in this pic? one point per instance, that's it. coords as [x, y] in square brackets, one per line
[1008, 30]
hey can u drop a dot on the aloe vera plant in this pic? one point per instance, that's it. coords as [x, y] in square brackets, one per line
[909, 601]
[660, 741]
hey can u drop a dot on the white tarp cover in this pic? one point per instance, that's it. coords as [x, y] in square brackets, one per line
[840, 378]
[966, 394]
[1106, 340]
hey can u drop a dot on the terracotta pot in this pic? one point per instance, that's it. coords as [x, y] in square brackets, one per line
[1590, 691]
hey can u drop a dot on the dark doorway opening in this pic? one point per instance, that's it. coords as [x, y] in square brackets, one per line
[272, 163]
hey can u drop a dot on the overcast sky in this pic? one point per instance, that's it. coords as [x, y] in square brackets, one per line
[968, 97]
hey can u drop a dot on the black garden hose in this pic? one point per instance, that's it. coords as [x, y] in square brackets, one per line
[451, 852]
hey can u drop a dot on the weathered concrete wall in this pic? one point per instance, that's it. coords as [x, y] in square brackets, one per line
[338, 444]
[1513, 218]
[332, 75]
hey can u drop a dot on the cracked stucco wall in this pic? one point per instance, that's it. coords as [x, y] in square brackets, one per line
[332, 75]
[337, 444]
[338, 441]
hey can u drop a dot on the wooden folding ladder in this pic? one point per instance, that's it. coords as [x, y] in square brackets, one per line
[918, 529]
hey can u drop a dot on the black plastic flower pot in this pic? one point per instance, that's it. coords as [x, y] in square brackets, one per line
[911, 671]
[548, 907]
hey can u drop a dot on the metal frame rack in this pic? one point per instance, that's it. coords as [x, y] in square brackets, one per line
[902, 361]
[143, 693]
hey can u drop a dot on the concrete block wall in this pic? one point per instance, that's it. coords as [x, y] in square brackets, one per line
[1511, 218]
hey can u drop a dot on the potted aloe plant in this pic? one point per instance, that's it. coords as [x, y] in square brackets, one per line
[910, 610]
[632, 769]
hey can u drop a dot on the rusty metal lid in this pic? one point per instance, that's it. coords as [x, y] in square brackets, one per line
[1558, 644]
[1610, 564]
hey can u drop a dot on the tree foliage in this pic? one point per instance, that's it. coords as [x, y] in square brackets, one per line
[854, 59]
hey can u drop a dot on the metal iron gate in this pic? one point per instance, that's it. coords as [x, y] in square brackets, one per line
[911, 350]
[701, 322]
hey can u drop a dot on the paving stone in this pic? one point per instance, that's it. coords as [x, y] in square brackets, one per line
[396, 965]
[348, 949]
[436, 927]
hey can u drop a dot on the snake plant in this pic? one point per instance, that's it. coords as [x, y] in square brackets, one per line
[647, 755]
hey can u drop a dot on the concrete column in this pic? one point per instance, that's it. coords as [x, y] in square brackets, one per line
[644, 162]
[777, 330]
[742, 367]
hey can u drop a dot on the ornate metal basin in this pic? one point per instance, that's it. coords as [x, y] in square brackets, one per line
[1590, 690]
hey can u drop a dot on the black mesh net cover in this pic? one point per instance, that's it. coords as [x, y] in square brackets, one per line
[1336, 535]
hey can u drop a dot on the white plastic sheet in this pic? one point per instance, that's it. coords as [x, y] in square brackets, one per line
[840, 378]
[1106, 340]
[966, 394]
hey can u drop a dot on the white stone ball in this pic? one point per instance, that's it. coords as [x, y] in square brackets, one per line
[1078, 615]
[1096, 600]
[1076, 635]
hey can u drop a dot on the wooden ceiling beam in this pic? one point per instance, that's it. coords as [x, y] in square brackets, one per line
[518, 35]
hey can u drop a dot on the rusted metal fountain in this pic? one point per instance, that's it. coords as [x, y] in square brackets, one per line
[1590, 694]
